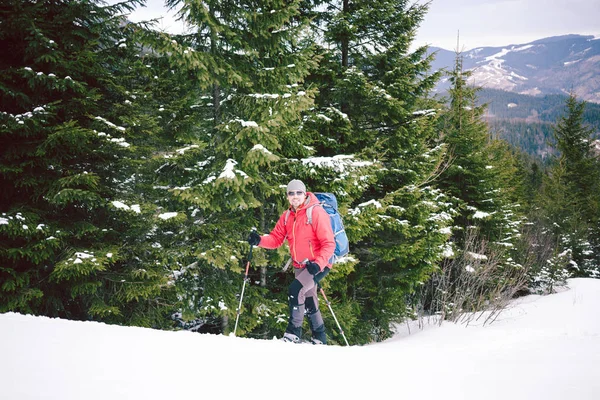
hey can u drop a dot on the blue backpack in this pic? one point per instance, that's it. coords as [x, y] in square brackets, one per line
[329, 204]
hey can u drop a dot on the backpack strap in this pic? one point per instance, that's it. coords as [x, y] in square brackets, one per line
[285, 220]
[309, 212]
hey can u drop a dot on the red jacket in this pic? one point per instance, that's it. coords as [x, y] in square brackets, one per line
[314, 242]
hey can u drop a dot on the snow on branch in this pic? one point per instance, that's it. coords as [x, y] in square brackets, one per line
[481, 215]
[357, 210]
[476, 256]
[339, 163]
[245, 124]
[272, 96]
[183, 150]
[338, 112]
[260, 147]
[425, 113]
[167, 215]
[122, 206]
[107, 122]
[229, 172]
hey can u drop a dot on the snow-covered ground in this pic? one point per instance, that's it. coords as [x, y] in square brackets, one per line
[540, 348]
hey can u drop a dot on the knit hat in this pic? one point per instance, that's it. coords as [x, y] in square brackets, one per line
[296, 184]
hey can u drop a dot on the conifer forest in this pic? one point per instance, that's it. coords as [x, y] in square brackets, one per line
[134, 163]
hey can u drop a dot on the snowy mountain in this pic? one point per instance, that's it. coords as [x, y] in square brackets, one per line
[539, 348]
[546, 66]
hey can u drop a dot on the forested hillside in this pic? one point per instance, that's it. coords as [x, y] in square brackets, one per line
[547, 108]
[527, 122]
[530, 137]
[134, 163]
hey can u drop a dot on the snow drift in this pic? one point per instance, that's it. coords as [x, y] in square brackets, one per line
[540, 348]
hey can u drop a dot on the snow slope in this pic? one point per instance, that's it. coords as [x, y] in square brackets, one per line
[541, 348]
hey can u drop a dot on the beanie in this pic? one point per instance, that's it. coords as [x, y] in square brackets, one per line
[296, 184]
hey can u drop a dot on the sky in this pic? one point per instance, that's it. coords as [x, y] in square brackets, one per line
[541, 347]
[502, 22]
[478, 22]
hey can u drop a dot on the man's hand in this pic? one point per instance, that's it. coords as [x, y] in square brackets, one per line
[254, 238]
[313, 267]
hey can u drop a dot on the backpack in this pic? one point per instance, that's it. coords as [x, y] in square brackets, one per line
[329, 204]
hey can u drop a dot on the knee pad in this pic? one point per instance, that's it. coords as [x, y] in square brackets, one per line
[311, 306]
[294, 291]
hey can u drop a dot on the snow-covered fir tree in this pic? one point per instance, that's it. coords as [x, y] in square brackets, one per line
[253, 103]
[569, 199]
[482, 183]
[371, 104]
[76, 136]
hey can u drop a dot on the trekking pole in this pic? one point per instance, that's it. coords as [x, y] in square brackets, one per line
[243, 288]
[334, 317]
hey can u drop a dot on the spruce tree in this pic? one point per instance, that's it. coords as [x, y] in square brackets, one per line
[371, 104]
[482, 183]
[464, 131]
[570, 193]
[75, 137]
[253, 101]
[573, 142]
[481, 171]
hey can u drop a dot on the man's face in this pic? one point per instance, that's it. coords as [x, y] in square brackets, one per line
[296, 198]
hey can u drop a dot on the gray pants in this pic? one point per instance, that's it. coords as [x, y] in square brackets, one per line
[308, 289]
[302, 296]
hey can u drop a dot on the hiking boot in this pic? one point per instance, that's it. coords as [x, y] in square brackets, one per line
[290, 337]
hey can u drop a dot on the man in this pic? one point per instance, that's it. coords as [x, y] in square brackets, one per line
[311, 248]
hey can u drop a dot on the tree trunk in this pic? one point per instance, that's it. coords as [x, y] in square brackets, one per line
[263, 269]
[345, 45]
[345, 37]
[216, 88]
[225, 324]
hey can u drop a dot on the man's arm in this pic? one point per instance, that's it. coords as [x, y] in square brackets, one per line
[275, 239]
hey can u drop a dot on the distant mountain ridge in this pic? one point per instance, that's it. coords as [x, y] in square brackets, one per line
[553, 65]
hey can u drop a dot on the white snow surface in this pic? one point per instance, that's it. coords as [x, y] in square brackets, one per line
[540, 348]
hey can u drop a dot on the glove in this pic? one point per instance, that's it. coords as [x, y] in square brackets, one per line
[318, 277]
[313, 267]
[254, 238]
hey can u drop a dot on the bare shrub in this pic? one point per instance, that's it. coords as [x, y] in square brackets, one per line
[477, 283]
